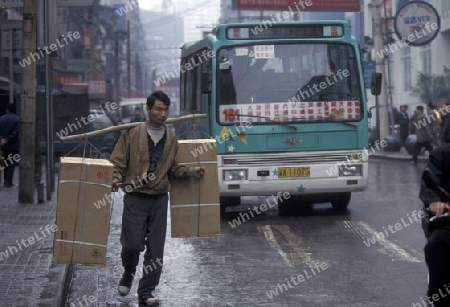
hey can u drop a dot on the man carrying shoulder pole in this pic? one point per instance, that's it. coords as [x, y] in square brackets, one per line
[144, 163]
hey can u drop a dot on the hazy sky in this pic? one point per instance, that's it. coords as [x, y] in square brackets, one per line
[148, 4]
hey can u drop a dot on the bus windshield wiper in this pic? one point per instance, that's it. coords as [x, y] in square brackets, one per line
[272, 121]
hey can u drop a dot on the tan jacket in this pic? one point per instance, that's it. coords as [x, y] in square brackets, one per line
[131, 162]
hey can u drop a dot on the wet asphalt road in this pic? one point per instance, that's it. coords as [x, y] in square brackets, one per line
[320, 258]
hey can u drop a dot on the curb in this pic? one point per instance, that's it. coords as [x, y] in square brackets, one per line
[63, 296]
[397, 158]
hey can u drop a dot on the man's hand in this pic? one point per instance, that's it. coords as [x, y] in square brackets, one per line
[115, 185]
[199, 172]
[3, 141]
[437, 208]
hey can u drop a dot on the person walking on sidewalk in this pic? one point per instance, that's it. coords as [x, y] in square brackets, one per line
[9, 142]
[403, 121]
[423, 133]
[144, 162]
[435, 122]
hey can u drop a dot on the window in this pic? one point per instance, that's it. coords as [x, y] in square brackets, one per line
[406, 62]
[288, 83]
[426, 59]
[183, 105]
[445, 5]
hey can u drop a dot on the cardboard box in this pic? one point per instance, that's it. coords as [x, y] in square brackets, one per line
[83, 211]
[194, 203]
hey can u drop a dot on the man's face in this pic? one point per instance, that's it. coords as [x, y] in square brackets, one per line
[137, 113]
[402, 109]
[158, 113]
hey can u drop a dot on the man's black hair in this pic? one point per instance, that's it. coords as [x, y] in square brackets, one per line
[11, 108]
[430, 105]
[158, 95]
[420, 108]
[137, 108]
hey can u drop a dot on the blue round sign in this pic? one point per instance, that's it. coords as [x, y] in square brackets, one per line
[417, 23]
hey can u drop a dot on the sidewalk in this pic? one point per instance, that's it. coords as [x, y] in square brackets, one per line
[29, 278]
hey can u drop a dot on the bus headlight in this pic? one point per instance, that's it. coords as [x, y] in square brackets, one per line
[239, 174]
[352, 170]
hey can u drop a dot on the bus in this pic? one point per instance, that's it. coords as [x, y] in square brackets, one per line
[287, 106]
[127, 107]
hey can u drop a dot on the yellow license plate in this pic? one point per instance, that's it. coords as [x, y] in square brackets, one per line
[284, 172]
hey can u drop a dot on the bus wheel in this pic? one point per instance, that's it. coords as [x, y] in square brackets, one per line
[228, 201]
[340, 201]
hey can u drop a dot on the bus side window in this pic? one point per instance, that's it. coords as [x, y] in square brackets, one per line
[183, 105]
[190, 89]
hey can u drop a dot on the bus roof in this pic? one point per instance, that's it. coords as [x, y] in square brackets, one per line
[131, 101]
[220, 32]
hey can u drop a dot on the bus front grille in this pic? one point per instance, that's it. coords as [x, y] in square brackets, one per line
[289, 160]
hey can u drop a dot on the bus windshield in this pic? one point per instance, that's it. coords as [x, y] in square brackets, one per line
[302, 82]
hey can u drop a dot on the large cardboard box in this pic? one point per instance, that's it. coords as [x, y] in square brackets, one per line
[194, 203]
[83, 211]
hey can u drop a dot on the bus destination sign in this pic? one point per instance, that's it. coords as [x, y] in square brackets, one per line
[260, 32]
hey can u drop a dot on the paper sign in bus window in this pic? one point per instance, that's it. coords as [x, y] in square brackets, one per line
[291, 111]
[264, 52]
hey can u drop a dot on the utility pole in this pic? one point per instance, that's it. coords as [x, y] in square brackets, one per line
[48, 104]
[380, 67]
[136, 70]
[92, 43]
[28, 107]
[129, 55]
[116, 68]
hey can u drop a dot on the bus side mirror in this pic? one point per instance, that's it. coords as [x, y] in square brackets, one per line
[206, 82]
[375, 83]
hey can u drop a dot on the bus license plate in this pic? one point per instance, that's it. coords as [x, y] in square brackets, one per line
[284, 172]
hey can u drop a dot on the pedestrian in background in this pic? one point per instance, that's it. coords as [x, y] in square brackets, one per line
[144, 162]
[403, 122]
[137, 116]
[423, 133]
[9, 141]
[435, 121]
[445, 131]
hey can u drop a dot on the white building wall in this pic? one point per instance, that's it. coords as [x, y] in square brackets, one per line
[439, 48]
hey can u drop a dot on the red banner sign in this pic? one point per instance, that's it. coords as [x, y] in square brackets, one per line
[301, 5]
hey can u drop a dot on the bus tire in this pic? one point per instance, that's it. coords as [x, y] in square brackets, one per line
[228, 201]
[341, 201]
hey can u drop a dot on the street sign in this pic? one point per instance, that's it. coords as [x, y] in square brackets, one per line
[98, 76]
[97, 89]
[11, 3]
[74, 2]
[369, 68]
[296, 5]
[6, 37]
[417, 23]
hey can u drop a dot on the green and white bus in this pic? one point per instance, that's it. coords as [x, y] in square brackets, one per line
[287, 106]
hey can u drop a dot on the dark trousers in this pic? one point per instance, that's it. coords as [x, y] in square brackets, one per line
[437, 255]
[10, 164]
[144, 223]
[419, 147]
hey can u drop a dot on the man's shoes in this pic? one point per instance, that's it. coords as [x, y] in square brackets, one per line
[125, 284]
[148, 300]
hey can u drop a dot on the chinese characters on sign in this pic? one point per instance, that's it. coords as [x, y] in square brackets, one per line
[264, 52]
[97, 87]
[291, 111]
